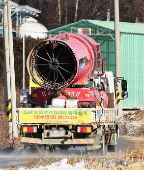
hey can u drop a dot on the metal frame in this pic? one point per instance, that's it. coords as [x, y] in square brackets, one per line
[19, 12]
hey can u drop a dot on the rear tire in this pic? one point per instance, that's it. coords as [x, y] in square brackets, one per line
[52, 149]
[35, 148]
[111, 148]
[64, 147]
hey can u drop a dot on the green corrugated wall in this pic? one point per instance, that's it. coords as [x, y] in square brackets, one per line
[132, 64]
[108, 52]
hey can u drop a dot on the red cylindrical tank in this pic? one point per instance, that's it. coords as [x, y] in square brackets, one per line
[63, 60]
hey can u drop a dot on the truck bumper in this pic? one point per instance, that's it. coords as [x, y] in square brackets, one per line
[57, 141]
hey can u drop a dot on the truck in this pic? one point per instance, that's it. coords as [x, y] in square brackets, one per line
[71, 100]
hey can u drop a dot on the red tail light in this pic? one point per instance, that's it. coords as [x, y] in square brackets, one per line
[83, 129]
[29, 129]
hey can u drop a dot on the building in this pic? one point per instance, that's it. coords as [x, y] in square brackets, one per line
[132, 52]
[31, 27]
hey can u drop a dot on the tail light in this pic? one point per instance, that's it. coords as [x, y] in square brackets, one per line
[29, 129]
[83, 129]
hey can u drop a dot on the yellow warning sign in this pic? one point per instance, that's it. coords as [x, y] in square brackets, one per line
[54, 116]
[118, 96]
[9, 109]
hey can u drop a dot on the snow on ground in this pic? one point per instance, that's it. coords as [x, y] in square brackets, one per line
[61, 165]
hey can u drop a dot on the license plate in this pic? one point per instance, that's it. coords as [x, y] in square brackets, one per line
[57, 133]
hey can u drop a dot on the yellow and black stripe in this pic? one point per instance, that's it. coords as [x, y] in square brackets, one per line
[118, 96]
[9, 109]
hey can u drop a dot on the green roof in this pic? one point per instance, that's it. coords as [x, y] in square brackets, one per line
[125, 27]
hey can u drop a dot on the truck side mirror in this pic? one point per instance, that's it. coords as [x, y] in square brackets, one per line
[124, 94]
[124, 85]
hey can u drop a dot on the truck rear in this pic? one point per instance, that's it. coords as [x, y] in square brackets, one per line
[68, 127]
[72, 100]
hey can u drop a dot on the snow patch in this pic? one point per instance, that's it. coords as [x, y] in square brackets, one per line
[61, 165]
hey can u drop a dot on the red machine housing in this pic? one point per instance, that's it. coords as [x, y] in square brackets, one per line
[63, 60]
[42, 96]
[87, 97]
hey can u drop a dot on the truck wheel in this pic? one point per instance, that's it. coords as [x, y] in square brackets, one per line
[111, 148]
[41, 148]
[52, 149]
[26, 146]
[62, 147]
[117, 132]
[35, 148]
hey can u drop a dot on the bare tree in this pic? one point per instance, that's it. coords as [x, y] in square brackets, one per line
[76, 10]
[59, 11]
[55, 13]
[66, 12]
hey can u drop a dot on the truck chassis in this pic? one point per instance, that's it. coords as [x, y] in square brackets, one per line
[100, 129]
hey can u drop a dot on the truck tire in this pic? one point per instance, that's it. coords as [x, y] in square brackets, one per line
[64, 147]
[111, 148]
[26, 146]
[35, 148]
[52, 149]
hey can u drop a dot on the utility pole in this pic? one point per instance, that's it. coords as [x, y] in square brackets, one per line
[23, 60]
[12, 74]
[9, 82]
[7, 90]
[117, 38]
[117, 49]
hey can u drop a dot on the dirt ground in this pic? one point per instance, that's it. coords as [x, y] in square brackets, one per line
[132, 166]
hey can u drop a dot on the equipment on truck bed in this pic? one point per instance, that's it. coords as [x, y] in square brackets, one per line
[72, 100]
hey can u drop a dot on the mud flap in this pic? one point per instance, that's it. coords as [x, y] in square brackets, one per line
[96, 145]
[98, 140]
[111, 147]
